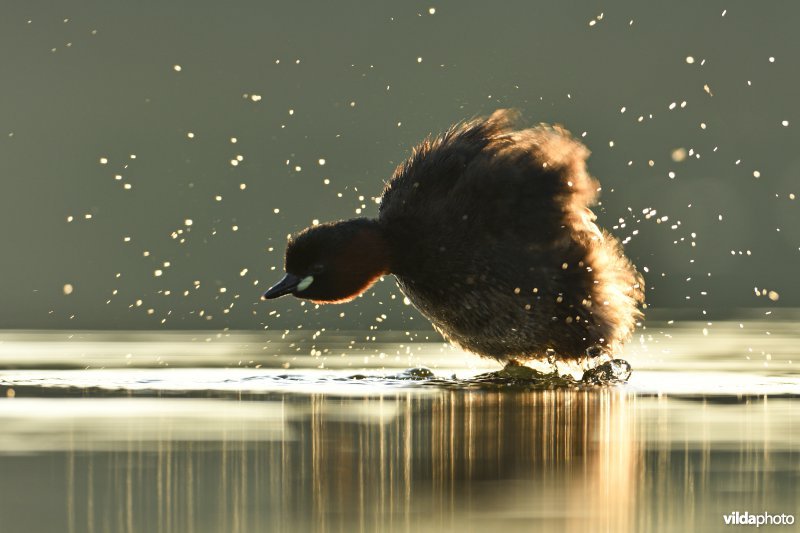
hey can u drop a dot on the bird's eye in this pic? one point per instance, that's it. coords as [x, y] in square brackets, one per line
[317, 269]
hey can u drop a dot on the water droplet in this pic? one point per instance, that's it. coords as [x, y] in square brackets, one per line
[594, 351]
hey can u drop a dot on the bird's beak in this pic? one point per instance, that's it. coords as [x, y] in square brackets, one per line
[285, 286]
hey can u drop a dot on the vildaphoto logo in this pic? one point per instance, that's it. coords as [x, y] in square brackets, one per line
[764, 519]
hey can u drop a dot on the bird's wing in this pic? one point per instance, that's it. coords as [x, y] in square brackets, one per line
[427, 178]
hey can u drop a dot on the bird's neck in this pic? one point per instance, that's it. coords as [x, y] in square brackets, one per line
[363, 258]
[370, 246]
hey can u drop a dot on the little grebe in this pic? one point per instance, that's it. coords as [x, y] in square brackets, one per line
[488, 232]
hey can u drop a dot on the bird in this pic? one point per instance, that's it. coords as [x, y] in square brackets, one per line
[488, 230]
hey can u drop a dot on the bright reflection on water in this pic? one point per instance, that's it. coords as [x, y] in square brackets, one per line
[693, 436]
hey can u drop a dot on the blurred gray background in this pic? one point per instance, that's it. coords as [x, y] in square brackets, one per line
[97, 96]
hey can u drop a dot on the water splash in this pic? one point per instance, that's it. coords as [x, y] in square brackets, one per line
[610, 372]
[513, 376]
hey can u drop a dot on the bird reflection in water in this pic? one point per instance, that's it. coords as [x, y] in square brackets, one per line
[452, 460]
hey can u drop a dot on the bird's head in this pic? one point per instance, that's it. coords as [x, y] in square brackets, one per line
[333, 262]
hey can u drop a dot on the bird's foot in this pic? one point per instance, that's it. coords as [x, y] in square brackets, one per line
[516, 370]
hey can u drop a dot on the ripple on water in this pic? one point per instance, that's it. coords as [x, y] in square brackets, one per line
[205, 382]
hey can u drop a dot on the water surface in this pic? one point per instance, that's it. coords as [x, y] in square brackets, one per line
[242, 432]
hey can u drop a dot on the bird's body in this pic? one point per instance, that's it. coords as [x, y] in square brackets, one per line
[488, 232]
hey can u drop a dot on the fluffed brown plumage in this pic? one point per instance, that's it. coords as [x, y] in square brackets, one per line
[506, 259]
